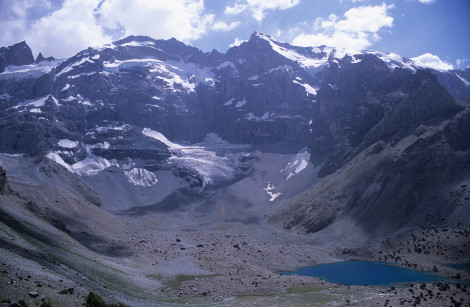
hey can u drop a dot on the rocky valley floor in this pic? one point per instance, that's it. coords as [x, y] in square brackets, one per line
[142, 261]
[220, 248]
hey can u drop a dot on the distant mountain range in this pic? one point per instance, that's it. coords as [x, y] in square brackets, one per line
[140, 107]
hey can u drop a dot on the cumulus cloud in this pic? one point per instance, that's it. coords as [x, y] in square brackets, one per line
[358, 29]
[237, 42]
[222, 26]
[67, 30]
[258, 8]
[79, 24]
[15, 18]
[182, 19]
[432, 61]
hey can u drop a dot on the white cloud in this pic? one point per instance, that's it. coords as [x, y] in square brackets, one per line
[67, 30]
[236, 9]
[357, 30]
[461, 63]
[182, 19]
[237, 42]
[258, 8]
[427, 1]
[365, 19]
[15, 19]
[79, 24]
[432, 61]
[222, 26]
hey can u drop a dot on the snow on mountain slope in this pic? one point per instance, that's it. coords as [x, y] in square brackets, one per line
[263, 91]
[141, 177]
[186, 75]
[202, 159]
[29, 71]
[65, 143]
[297, 164]
[269, 190]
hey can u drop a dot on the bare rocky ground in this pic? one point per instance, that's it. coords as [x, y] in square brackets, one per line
[229, 265]
[57, 247]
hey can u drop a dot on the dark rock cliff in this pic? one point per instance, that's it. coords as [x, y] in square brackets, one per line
[4, 187]
[18, 54]
[395, 126]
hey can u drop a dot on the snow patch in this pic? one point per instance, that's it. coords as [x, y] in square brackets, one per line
[56, 158]
[104, 145]
[393, 60]
[141, 177]
[241, 103]
[297, 164]
[463, 80]
[269, 190]
[56, 102]
[66, 87]
[283, 67]
[226, 64]
[72, 66]
[159, 137]
[139, 44]
[91, 165]
[304, 61]
[186, 75]
[229, 103]
[26, 71]
[5, 96]
[202, 159]
[251, 116]
[36, 103]
[70, 98]
[308, 88]
[65, 143]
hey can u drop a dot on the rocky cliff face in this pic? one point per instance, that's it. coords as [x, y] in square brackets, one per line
[136, 104]
[18, 54]
[4, 187]
[266, 90]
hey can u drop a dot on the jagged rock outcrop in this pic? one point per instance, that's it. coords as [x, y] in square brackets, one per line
[260, 92]
[18, 54]
[40, 58]
[125, 106]
[4, 187]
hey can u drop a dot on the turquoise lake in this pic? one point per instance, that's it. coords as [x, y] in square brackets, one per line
[460, 266]
[359, 273]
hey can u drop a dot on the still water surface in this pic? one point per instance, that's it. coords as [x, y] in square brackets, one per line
[354, 272]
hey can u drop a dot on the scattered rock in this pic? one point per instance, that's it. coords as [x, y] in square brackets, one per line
[67, 291]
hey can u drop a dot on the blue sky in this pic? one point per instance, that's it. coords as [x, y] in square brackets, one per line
[433, 32]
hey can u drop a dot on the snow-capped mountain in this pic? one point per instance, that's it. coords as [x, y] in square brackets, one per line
[143, 107]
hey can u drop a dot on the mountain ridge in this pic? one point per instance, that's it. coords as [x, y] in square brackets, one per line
[156, 174]
[140, 105]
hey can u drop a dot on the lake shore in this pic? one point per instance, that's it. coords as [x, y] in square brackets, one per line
[150, 262]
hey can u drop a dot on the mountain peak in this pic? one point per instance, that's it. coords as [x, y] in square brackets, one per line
[17, 55]
[134, 38]
[260, 36]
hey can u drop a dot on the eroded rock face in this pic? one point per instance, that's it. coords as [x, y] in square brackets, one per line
[4, 187]
[261, 92]
[92, 109]
[18, 54]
